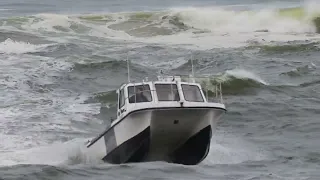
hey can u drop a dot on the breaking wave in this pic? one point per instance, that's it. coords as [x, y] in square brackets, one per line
[15, 47]
[236, 81]
[199, 27]
[198, 20]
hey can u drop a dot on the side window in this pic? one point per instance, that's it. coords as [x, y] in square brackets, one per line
[192, 93]
[139, 93]
[121, 99]
[167, 92]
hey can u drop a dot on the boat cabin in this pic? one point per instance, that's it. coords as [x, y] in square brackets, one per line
[165, 91]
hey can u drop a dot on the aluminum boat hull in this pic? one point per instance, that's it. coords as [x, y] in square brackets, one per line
[179, 135]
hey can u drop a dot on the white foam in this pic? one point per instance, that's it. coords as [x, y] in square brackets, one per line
[71, 152]
[227, 21]
[226, 28]
[104, 31]
[225, 149]
[18, 47]
[311, 7]
[48, 21]
[53, 22]
[223, 40]
[230, 149]
[244, 74]
[79, 109]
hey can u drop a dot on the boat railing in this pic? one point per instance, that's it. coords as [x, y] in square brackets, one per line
[213, 92]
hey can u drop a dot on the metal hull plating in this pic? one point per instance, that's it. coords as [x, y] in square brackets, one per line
[175, 135]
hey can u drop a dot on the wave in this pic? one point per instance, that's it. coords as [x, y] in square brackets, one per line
[233, 82]
[212, 19]
[300, 71]
[299, 12]
[112, 64]
[309, 13]
[18, 47]
[204, 27]
[287, 47]
[141, 24]
[104, 97]
[312, 83]
[231, 85]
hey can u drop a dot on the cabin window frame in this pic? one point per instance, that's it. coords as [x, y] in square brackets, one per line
[199, 90]
[147, 90]
[176, 91]
[122, 99]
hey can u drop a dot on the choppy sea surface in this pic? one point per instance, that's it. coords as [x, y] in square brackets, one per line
[61, 62]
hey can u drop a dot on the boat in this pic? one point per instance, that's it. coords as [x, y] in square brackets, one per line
[168, 119]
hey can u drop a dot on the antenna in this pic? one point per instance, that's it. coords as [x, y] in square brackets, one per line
[192, 65]
[193, 80]
[128, 68]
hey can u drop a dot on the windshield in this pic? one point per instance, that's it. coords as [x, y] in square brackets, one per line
[167, 92]
[192, 93]
[140, 93]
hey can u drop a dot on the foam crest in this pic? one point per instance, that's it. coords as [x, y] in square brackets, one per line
[18, 47]
[49, 22]
[215, 27]
[244, 74]
[195, 28]
[63, 23]
[227, 21]
[233, 82]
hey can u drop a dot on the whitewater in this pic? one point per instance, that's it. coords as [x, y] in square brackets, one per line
[198, 27]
